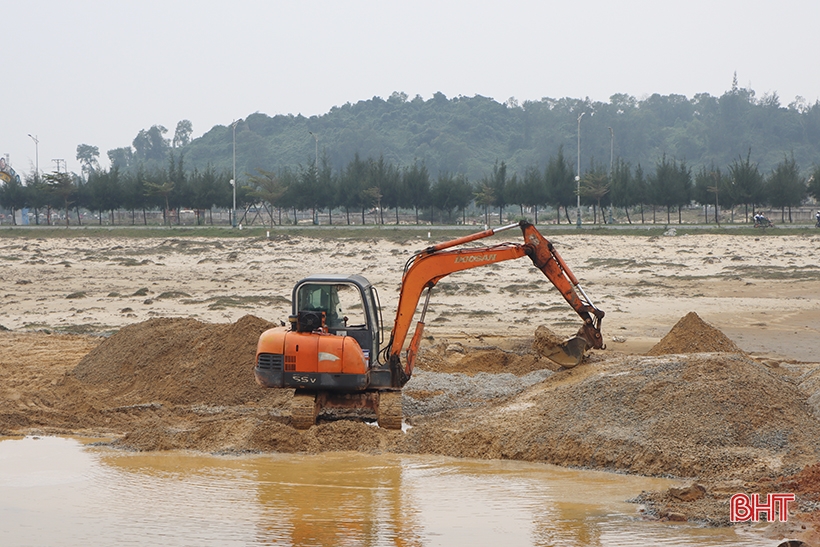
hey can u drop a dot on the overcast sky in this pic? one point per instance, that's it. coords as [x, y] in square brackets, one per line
[96, 72]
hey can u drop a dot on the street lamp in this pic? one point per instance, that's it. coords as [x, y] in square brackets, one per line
[36, 157]
[316, 164]
[578, 172]
[611, 155]
[233, 180]
[715, 189]
[317, 150]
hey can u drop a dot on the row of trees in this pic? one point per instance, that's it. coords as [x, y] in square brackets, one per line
[381, 187]
[670, 186]
[107, 191]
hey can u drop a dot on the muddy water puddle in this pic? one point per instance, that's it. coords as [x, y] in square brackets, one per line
[59, 491]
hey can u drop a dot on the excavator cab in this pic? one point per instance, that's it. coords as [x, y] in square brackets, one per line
[343, 305]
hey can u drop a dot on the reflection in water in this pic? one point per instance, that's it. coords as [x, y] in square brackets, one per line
[335, 499]
[54, 491]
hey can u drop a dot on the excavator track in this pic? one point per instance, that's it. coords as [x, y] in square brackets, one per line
[303, 410]
[390, 413]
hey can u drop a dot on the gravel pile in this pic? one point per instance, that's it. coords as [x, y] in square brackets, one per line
[432, 392]
[702, 414]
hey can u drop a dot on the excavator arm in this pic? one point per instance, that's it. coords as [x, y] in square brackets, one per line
[428, 267]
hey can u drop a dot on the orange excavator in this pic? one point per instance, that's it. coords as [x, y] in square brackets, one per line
[333, 355]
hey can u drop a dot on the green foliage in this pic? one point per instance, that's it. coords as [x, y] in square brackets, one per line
[532, 191]
[467, 135]
[784, 187]
[747, 181]
[813, 186]
[416, 184]
[182, 134]
[671, 185]
[622, 186]
[121, 158]
[484, 197]
[498, 182]
[62, 186]
[268, 188]
[160, 189]
[151, 145]
[88, 156]
[595, 186]
[13, 194]
[560, 181]
[104, 192]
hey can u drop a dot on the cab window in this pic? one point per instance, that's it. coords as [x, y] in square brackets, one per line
[341, 302]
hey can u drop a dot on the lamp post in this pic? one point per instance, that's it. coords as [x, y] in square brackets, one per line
[36, 157]
[578, 172]
[715, 190]
[611, 155]
[233, 180]
[317, 150]
[316, 164]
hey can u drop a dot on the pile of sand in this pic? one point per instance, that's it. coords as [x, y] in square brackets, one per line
[685, 415]
[238, 433]
[456, 357]
[177, 361]
[693, 335]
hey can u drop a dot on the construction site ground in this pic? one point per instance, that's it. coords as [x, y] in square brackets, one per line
[710, 373]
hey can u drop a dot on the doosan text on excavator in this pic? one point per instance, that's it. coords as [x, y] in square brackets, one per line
[333, 353]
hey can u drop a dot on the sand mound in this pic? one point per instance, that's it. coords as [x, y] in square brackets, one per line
[709, 416]
[693, 335]
[178, 361]
[452, 358]
[252, 434]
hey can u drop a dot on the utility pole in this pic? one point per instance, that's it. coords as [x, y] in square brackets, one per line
[233, 180]
[317, 150]
[36, 157]
[611, 155]
[315, 212]
[578, 172]
[58, 161]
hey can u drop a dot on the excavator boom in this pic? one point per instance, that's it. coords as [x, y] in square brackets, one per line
[427, 267]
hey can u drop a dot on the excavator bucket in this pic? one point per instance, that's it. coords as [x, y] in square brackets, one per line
[569, 353]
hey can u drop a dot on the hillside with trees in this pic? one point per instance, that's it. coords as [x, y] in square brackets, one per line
[438, 156]
[467, 135]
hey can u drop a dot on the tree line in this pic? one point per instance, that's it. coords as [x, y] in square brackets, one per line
[465, 135]
[377, 188]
